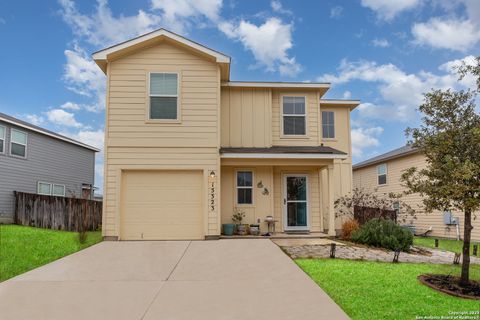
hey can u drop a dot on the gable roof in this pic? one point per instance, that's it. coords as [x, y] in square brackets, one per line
[396, 153]
[101, 56]
[20, 123]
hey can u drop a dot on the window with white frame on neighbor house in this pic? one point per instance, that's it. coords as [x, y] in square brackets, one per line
[3, 133]
[382, 174]
[328, 124]
[163, 96]
[48, 189]
[244, 187]
[18, 143]
[294, 116]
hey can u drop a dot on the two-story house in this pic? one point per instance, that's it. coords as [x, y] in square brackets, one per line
[185, 145]
[382, 175]
[36, 160]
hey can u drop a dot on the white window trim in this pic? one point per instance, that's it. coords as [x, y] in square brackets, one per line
[244, 187]
[4, 138]
[58, 185]
[386, 172]
[334, 133]
[149, 119]
[11, 141]
[282, 115]
[43, 182]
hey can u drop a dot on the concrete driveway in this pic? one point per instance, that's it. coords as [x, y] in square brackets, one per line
[225, 279]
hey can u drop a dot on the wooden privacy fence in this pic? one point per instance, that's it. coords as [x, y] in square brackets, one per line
[58, 213]
[364, 214]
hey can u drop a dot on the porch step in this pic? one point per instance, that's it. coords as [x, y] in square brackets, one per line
[280, 236]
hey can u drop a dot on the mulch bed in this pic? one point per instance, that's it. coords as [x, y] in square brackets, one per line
[451, 285]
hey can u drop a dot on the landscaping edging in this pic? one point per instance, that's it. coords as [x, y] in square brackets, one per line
[365, 253]
[423, 278]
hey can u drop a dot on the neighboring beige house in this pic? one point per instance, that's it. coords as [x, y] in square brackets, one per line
[185, 145]
[383, 172]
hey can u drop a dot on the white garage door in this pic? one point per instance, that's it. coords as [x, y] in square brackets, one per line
[161, 205]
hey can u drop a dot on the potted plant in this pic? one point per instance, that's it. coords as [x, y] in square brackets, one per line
[255, 229]
[228, 229]
[237, 218]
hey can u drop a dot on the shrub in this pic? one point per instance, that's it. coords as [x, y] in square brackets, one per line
[384, 233]
[348, 228]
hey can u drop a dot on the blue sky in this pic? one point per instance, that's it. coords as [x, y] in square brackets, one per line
[384, 52]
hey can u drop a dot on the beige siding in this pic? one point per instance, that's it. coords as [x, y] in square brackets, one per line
[342, 140]
[246, 117]
[134, 143]
[262, 204]
[271, 204]
[367, 178]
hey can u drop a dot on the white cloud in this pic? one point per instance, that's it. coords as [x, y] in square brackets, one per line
[268, 42]
[102, 28]
[278, 7]
[34, 119]
[363, 138]
[388, 9]
[70, 106]
[347, 95]
[91, 137]
[400, 92]
[62, 118]
[450, 34]
[382, 43]
[179, 15]
[84, 77]
[336, 12]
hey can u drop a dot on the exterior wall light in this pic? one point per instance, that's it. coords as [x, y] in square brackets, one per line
[212, 174]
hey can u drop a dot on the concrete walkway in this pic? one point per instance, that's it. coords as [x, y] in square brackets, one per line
[225, 279]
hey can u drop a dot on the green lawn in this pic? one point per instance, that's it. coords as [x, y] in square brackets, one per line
[376, 290]
[443, 244]
[25, 248]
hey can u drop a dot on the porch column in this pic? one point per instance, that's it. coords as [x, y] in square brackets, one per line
[330, 204]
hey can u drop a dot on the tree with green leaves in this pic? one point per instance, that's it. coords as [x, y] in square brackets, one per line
[449, 135]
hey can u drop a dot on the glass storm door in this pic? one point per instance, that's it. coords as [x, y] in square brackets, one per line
[295, 202]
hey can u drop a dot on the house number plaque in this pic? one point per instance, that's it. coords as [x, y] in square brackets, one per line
[212, 200]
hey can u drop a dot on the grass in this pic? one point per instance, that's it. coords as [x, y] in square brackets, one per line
[376, 290]
[25, 248]
[443, 244]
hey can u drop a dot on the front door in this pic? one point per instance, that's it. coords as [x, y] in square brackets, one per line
[295, 202]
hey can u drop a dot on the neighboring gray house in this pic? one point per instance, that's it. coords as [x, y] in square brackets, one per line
[36, 160]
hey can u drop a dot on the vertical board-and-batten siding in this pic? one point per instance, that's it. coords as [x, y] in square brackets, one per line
[133, 143]
[367, 178]
[48, 160]
[246, 117]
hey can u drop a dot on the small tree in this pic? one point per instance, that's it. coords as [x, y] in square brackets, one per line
[345, 205]
[450, 138]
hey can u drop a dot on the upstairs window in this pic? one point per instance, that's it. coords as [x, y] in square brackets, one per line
[382, 174]
[244, 187]
[328, 124]
[294, 117]
[3, 132]
[163, 96]
[18, 143]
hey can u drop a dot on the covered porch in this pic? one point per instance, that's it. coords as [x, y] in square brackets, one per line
[294, 185]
